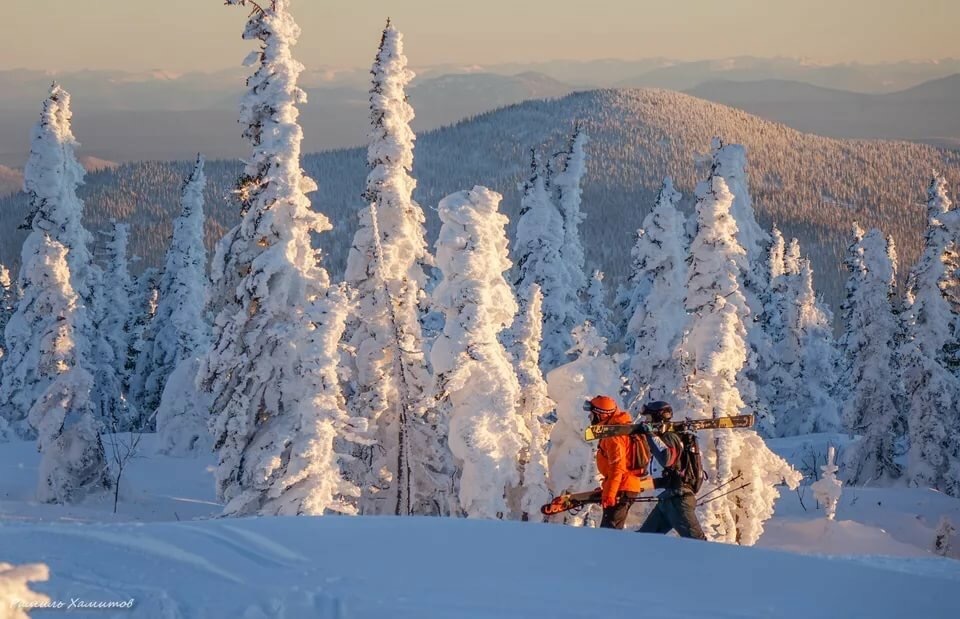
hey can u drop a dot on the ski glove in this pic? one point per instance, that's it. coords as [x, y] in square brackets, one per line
[608, 501]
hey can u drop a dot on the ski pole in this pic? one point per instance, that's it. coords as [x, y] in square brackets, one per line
[726, 483]
[720, 496]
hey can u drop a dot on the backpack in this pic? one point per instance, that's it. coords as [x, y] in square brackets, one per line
[685, 459]
[638, 455]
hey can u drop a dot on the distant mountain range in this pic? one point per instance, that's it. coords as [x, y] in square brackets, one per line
[163, 115]
[812, 187]
[928, 112]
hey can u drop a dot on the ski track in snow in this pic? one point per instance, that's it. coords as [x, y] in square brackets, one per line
[261, 551]
[145, 544]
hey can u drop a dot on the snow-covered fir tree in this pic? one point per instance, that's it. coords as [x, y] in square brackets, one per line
[114, 322]
[117, 307]
[933, 391]
[828, 488]
[409, 463]
[178, 330]
[277, 416]
[566, 188]
[872, 409]
[538, 246]
[730, 163]
[571, 460]
[475, 377]
[778, 374]
[654, 294]
[853, 263]
[807, 356]
[598, 307]
[51, 177]
[179, 335]
[44, 366]
[714, 351]
[532, 406]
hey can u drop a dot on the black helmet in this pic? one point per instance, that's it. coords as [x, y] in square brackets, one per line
[658, 411]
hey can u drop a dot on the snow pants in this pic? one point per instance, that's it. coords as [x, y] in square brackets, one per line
[675, 509]
[615, 517]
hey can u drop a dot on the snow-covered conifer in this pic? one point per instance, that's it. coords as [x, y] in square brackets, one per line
[178, 331]
[410, 463]
[714, 351]
[538, 247]
[114, 321]
[730, 163]
[276, 425]
[45, 374]
[592, 372]
[803, 376]
[474, 373]
[567, 183]
[656, 291]
[566, 189]
[853, 263]
[827, 489]
[533, 404]
[598, 307]
[872, 409]
[933, 391]
[51, 177]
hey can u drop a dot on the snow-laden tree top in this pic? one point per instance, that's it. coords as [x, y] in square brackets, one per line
[51, 177]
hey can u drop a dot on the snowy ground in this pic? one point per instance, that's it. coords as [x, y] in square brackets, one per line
[878, 563]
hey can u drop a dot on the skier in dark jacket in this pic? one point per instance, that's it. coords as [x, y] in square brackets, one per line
[677, 504]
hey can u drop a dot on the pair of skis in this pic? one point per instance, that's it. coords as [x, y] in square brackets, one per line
[594, 433]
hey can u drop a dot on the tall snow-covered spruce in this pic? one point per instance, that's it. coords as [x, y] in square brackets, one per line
[178, 335]
[566, 187]
[114, 324]
[178, 329]
[933, 330]
[730, 163]
[873, 406]
[474, 374]
[538, 247]
[51, 177]
[714, 351]
[45, 383]
[533, 404]
[654, 294]
[278, 417]
[409, 462]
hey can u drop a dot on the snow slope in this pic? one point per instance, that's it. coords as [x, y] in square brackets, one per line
[421, 567]
[343, 567]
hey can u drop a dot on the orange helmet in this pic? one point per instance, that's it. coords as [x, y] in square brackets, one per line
[603, 405]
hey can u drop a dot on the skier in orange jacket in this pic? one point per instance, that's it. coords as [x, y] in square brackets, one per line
[622, 461]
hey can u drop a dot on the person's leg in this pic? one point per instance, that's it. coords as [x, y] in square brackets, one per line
[656, 521]
[682, 513]
[614, 517]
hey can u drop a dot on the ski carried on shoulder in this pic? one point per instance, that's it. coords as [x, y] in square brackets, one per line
[687, 425]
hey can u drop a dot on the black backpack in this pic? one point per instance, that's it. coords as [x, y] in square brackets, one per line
[688, 466]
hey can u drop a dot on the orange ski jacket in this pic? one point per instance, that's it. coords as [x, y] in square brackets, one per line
[613, 459]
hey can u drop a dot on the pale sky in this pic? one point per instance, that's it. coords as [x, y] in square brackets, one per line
[183, 35]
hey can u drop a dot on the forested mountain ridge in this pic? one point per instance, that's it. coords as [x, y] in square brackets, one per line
[812, 187]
